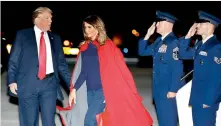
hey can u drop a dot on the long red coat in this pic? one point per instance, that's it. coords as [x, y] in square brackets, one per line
[123, 103]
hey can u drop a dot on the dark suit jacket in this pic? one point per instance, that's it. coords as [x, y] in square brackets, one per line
[23, 60]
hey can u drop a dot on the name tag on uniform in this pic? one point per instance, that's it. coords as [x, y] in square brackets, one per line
[203, 53]
[163, 49]
[217, 60]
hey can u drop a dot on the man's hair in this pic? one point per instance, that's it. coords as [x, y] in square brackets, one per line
[40, 10]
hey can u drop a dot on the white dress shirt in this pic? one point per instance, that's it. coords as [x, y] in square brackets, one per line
[49, 63]
[208, 37]
[162, 38]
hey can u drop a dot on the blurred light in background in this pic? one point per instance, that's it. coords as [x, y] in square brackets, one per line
[74, 51]
[66, 43]
[117, 40]
[70, 51]
[71, 44]
[134, 32]
[137, 34]
[3, 38]
[125, 50]
[67, 50]
[8, 47]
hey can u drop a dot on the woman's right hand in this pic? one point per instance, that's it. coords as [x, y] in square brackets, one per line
[72, 96]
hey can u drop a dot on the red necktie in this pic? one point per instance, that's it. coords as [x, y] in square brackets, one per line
[42, 58]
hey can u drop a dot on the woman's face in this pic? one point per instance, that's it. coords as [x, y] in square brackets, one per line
[90, 31]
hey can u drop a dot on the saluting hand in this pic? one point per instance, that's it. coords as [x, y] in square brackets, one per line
[150, 31]
[192, 31]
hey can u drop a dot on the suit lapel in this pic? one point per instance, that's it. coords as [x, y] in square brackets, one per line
[52, 42]
[210, 43]
[51, 39]
[159, 45]
[33, 42]
[167, 39]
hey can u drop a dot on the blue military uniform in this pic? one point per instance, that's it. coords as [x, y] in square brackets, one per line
[206, 85]
[167, 72]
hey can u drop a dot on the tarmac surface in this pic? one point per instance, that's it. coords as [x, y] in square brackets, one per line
[142, 76]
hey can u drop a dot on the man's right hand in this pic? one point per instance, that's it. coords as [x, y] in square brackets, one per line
[192, 31]
[150, 31]
[13, 88]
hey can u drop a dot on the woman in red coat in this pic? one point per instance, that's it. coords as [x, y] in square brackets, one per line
[103, 91]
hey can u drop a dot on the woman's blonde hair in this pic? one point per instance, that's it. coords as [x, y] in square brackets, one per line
[98, 24]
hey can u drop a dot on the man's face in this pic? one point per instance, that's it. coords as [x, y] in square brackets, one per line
[202, 28]
[44, 21]
[161, 25]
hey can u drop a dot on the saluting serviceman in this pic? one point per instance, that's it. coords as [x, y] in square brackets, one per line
[206, 86]
[167, 68]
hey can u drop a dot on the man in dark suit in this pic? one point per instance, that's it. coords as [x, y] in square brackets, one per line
[35, 62]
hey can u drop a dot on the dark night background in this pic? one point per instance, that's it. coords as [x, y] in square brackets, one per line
[120, 17]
